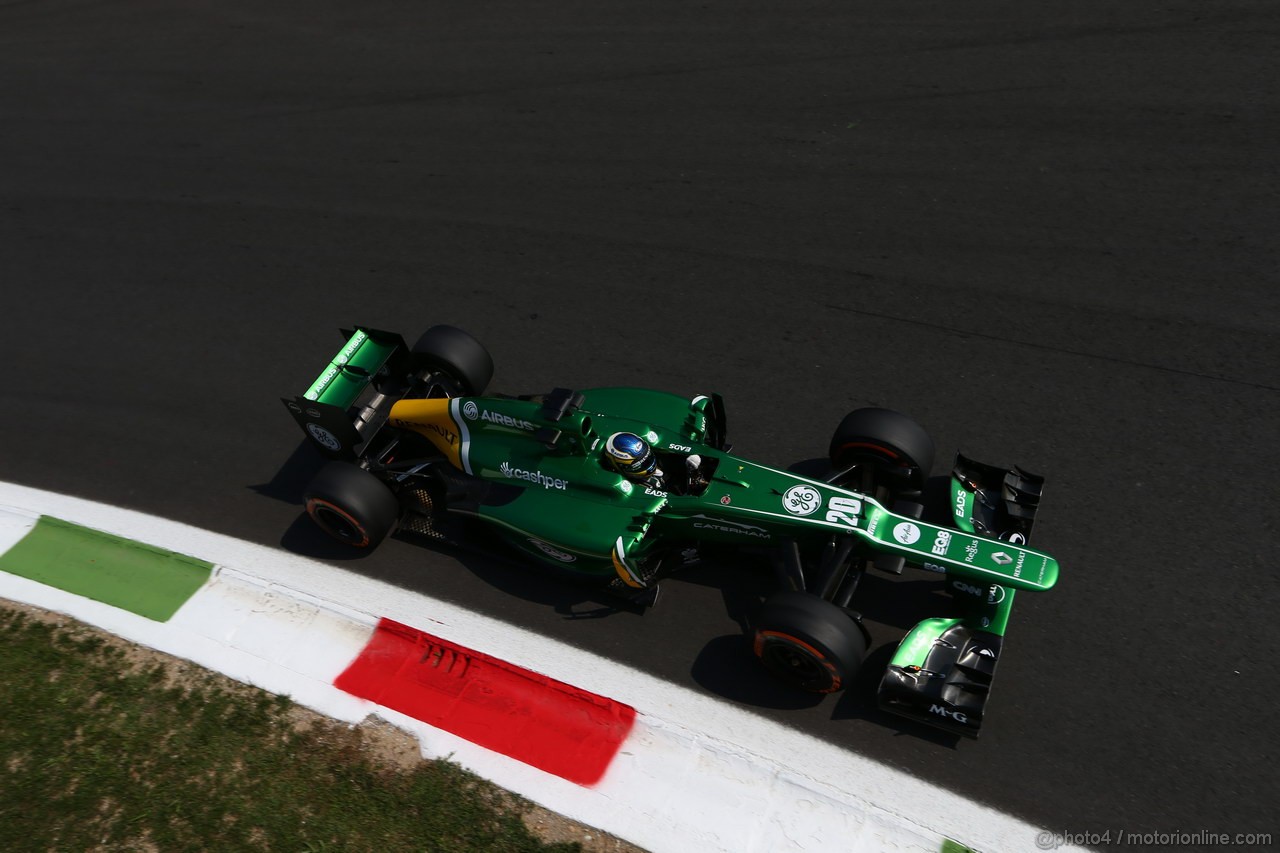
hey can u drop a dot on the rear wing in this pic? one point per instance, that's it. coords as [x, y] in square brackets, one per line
[341, 409]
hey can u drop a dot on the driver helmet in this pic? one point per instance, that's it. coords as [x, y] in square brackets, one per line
[631, 455]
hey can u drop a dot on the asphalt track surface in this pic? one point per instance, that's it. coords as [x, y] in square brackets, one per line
[1046, 231]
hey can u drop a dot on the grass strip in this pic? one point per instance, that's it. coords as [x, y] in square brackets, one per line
[143, 579]
[104, 748]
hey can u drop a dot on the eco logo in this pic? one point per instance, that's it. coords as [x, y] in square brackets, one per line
[801, 500]
[326, 438]
[941, 542]
[906, 533]
[536, 477]
[471, 410]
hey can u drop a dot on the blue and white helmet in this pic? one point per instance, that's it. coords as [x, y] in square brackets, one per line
[631, 455]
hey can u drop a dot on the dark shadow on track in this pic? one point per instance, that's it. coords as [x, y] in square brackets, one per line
[727, 668]
[303, 538]
[291, 478]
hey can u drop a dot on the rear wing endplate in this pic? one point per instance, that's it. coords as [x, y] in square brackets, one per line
[324, 410]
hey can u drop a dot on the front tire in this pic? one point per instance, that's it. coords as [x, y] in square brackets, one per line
[808, 643]
[894, 449]
[352, 505]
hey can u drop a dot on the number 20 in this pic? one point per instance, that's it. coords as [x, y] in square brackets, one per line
[842, 510]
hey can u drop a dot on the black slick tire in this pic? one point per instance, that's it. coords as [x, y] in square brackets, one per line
[898, 450]
[461, 356]
[808, 643]
[351, 505]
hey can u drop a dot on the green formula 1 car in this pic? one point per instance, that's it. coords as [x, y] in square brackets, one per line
[416, 444]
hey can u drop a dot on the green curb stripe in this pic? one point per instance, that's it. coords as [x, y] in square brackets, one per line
[949, 846]
[149, 581]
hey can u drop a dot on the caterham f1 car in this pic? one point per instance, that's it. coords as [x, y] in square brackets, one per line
[415, 442]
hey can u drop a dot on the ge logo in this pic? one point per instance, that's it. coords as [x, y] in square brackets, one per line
[471, 410]
[326, 438]
[801, 500]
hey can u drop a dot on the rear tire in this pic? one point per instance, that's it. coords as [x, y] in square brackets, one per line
[459, 355]
[896, 449]
[352, 505]
[808, 643]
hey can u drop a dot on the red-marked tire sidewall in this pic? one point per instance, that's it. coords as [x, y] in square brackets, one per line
[896, 446]
[808, 643]
[351, 505]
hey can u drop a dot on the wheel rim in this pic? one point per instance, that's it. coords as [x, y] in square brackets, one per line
[338, 524]
[797, 663]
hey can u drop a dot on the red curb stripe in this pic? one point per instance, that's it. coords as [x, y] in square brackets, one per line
[545, 723]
